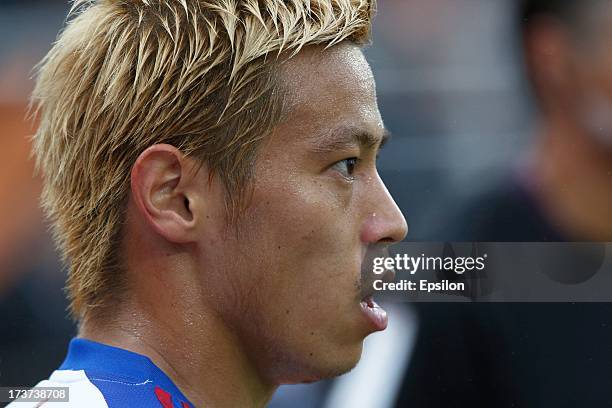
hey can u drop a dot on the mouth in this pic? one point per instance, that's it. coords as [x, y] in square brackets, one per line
[376, 315]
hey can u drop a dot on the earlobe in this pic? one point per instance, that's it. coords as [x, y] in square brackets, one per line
[161, 180]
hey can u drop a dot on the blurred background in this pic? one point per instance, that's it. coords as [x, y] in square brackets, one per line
[454, 92]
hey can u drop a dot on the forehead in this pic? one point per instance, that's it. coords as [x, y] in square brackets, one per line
[316, 71]
[330, 87]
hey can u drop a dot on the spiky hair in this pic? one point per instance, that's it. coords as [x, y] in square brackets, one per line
[126, 74]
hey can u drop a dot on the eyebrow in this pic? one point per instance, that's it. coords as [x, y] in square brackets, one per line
[347, 137]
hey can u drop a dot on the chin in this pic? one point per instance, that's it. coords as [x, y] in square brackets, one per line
[331, 372]
[330, 366]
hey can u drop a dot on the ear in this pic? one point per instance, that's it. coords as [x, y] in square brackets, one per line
[549, 51]
[163, 183]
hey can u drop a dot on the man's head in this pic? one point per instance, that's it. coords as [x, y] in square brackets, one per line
[225, 153]
[567, 51]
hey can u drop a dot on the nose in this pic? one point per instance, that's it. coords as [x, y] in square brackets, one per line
[384, 221]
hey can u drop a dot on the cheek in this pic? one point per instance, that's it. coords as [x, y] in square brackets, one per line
[305, 251]
[304, 225]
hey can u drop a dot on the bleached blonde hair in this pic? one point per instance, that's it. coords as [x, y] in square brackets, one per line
[126, 74]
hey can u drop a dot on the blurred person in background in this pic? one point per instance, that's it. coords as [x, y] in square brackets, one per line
[536, 355]
[561, 191]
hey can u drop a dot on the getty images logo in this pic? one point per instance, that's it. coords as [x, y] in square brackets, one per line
[477, 283]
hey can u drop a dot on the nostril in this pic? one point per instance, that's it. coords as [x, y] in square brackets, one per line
[387, 240]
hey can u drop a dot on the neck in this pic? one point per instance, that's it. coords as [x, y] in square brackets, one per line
[197, 350]
[574, 177]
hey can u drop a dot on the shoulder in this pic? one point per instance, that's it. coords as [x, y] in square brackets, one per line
[87, 389]
[80, 391]
[505, 213]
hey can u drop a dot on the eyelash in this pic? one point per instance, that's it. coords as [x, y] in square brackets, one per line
[350, 164]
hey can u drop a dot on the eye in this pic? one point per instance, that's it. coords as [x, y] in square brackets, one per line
[346, 167]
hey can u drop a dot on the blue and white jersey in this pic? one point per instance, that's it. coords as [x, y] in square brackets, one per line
[101, 376]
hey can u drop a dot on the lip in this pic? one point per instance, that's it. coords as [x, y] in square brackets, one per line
[374, 314]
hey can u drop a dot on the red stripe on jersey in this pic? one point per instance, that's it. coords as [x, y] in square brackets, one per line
[164, 398]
